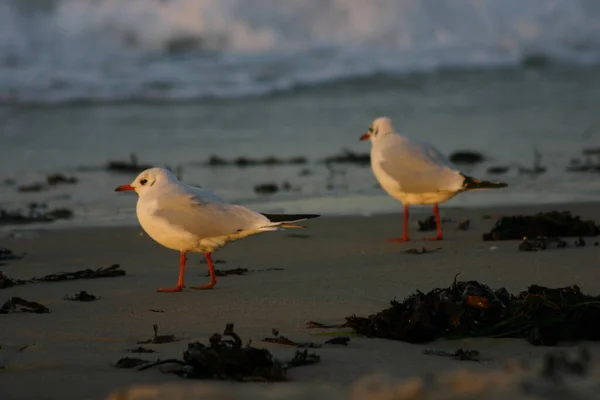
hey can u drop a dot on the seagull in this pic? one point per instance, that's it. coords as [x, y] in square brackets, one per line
[415, 172]
[190, 219]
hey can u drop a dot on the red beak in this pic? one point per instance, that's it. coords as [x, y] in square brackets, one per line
[124, 188]
[365, 136]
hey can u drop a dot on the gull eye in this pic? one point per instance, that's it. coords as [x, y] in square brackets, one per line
[144, 181]
[370, 129]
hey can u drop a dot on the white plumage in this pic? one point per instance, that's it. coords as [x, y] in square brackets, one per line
[415, 172]
[187, 218]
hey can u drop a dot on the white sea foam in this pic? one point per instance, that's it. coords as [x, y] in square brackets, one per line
[106, 50]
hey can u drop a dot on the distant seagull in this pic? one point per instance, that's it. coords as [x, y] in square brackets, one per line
[187, 218]
[415, 172]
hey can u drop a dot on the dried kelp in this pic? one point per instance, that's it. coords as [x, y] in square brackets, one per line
[430, 224]
[460, 354]
[349, 157]
[25, 306]
[297, 236]
[6, 255]
[57, 179]
[541, 243]
[414, 250]
[51, 180]
[302, 358]
[104, 272]
[216, 161]
[35, 213]
[141, 349]
[498, 169]
[131, 167]
[577, 166]
[266, 188]
[272, 187]
[228, 359]
[314, 324]
[158, 339]
[550, 224]
[541, 315]
[233, 271]
[339, 340]
[463, 225]
[241, 271]
[467, 157]
[280, 339]
[32, 187]
[217, 261]
[6, 281]
[130, 362]
[82, 296]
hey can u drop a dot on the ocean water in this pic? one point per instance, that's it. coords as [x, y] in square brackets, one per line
[176, 81]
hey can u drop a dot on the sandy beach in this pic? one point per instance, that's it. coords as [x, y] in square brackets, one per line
[264, 107]
[342, 267]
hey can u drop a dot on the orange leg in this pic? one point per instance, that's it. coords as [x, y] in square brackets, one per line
[404, 237]
[211, 271]
[180, 281]
[438, 223]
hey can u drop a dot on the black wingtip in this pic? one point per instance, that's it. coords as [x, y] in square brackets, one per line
[472, 184]
[289, 217]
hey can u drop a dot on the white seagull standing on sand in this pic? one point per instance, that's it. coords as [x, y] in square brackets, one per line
[188, 218]
[416, 172]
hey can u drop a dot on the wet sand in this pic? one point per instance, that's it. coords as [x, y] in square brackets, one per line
[343, 267]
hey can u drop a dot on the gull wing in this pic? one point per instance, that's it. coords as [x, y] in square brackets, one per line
[203, 214]
[418, 167]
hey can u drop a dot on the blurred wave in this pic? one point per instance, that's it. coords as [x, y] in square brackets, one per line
[56, 51]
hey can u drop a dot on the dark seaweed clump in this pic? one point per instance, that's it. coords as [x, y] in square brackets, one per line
[280, 339]
[543, 243]
[241, 271]
[51, 180]
[541, 315]
[35, 213]
[82, 296]
[13, 303]
[104, 272]
[216, 161]
[550, 224]
[225, 357]
[159, 339]
[127, 167]
[130, 362]
[7, 254]
[460, 354]
[349, 157]
[466, 157]
[271, 188]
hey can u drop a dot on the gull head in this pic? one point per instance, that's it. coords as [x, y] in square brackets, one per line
[379, 127]
[147, 180]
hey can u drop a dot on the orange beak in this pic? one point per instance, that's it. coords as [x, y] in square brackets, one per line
[365, 136]
[124, 188]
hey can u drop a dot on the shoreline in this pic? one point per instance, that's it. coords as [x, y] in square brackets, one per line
[416, 212]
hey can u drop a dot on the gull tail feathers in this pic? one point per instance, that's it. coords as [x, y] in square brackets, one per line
[287, 220]
[475, 184]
